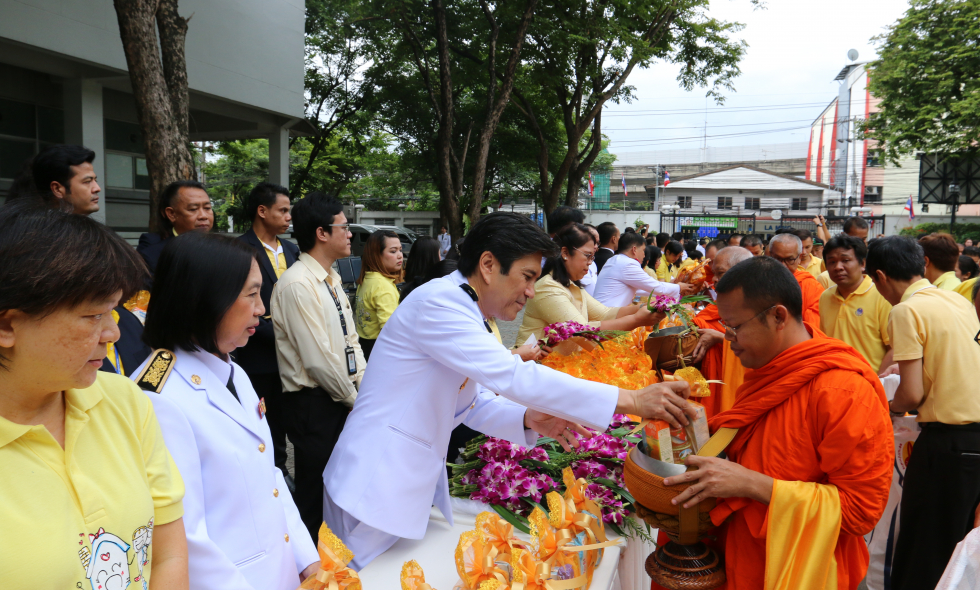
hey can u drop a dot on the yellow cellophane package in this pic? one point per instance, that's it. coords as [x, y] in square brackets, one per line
[413, 578]
[478, 560]
[334, 557]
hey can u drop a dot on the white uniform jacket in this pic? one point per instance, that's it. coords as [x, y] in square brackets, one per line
[622, 278]
[435, 366]
[237, 509]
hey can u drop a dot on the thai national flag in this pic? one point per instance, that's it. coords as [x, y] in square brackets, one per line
[908, 207]
[625, 192]
[666, 178]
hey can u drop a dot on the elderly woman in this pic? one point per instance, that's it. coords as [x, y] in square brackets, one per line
[559, 297]
[243, 529]
[89, 486]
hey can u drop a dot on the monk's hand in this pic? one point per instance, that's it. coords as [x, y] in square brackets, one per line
[660, 401]
[708, 339]
[554, 427]
[718, 478]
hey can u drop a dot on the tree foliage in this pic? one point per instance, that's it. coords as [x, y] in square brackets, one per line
[926, 78]
[961, 231]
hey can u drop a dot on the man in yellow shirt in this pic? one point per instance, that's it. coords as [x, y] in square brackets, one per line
[852, 310]
[941, 253]
[809, 261]
[934, 335]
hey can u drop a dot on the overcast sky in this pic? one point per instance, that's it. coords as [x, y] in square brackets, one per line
[796, 48]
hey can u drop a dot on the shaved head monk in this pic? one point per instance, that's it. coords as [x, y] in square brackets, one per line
[787, 250]
[718, 362]
[811, 464]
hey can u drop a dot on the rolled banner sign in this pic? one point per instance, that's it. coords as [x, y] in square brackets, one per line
[334, 557]
[413, 578]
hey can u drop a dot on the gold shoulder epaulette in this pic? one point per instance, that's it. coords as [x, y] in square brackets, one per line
[154, 376]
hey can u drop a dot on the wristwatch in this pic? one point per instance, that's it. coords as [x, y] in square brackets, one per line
[819, 225]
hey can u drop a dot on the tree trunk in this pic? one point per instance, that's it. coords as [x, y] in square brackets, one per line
[448, 197]
[159, 89]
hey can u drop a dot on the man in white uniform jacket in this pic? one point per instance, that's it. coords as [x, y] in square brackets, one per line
[622, 277]
[435, 366]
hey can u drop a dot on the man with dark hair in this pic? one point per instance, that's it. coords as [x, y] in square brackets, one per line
[562, 217]
[623, 278]
[852, 310]
[268, 207]
[713, 247]
[319, 355]
[808, 261]
[437, 364]
[933, 334]
[814, 450]
[445, 242]
[662, 239]
[608, 243]
[183, 206]
[63, 175]
[856, 227]
[787, 249]
[754, 244]
[941, 253]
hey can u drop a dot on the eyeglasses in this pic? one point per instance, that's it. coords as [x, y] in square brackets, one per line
[343, 226]
[787, 260]
[588, 257]
[732, 330]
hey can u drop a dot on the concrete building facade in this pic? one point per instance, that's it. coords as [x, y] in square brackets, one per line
[66, 81]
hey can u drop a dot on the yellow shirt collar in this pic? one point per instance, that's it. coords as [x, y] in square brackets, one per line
[864, 287]
[76, 401]
[916, 286]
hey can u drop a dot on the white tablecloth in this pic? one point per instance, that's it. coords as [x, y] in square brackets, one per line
[621, 567]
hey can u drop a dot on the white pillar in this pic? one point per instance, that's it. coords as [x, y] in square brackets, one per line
[82, 101]
[279, 157]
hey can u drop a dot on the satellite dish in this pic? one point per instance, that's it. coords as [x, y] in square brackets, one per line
[852, 54]
[777, 214]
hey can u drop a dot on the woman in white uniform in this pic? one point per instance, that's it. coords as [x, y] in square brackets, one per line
[243, 529]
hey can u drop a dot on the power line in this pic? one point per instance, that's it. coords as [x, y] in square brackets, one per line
[741, 109]
[701, 126]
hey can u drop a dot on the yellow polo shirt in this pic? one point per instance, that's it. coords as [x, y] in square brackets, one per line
[377, 298]
[966, 289]
[940, 328]
[824, 279]
[860, 319]
[815, 267]
[82, 516]
[947, 281]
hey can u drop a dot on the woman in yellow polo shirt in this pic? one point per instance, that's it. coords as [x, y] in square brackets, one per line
[377, 295]
[670, 264]
[560, 298]
[89, 486]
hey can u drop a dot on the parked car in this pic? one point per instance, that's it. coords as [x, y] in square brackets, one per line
[360, 233]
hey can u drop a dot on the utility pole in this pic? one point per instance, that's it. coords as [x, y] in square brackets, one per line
[954, 194]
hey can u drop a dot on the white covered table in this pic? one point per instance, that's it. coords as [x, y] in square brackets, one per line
[621, 567]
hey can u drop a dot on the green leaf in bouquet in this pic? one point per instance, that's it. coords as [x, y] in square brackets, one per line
[615, 488]
[615, 528]
[544, 440]
[512, 518]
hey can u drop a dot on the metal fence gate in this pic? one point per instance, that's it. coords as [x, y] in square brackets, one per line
[707, 226]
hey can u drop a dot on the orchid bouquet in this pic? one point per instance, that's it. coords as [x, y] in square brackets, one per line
[513, 479]
[678, 312]
[555, 334]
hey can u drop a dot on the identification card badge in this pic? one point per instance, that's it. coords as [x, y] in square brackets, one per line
[351, 361]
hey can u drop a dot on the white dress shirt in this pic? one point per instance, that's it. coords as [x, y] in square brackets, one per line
[445, 243]
[243, 529]
[435, 366]
[622, 278]
[589, 280]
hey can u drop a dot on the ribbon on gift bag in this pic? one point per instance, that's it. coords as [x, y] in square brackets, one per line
[413, 578]
[498, 533]
[478, 561]
[334, 557]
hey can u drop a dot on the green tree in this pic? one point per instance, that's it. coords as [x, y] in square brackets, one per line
[926, 78]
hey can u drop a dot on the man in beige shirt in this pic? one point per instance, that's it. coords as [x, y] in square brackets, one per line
[320, 358]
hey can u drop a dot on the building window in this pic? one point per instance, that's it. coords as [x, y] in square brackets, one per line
[684, 202]
[126, 171]
[753, 203]
[25, 129]
[798, 204]
[874, 159]
[420, 230]
[872, 194]
[724, 202]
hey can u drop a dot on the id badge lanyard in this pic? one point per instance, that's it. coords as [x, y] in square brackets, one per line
[349, 350]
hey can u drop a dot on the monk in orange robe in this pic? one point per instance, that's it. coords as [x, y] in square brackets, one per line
[811, 464]
[718, 362]
[788, 249]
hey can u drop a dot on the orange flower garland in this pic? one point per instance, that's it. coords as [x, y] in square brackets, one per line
[620, 362]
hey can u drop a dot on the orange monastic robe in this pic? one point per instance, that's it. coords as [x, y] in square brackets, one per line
[816, 413]
[812, 290]
[720, 364]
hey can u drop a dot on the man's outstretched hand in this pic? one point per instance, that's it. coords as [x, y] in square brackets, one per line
[554, 427]
[660, 401]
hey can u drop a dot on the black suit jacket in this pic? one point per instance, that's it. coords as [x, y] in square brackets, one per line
[150, 246]
[601, 256]
[130, 346]
[258, 357]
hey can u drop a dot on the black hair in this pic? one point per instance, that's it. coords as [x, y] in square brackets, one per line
[454, 250]
[509, 237]
[751, 240]
[971, 251]
[718, 244]
[198, 278]
[662, 239]
[572, 237]
[628, 240]
[651, 239]
[424, 255]
[607, 230]
[563, 216]
[53, 164]
[764, 282]
[846, 242]
[265, 194]
[673, 247]
[695, 255]
[167, 198]
[312, 212]
[690, 246]
[855, 222]
[803, 234]
[941, 249]
[968, 268]
[652, 256]
[899, 257]
[440, 269]
[677, 236]
[51, 259]
[629, 230]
